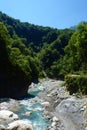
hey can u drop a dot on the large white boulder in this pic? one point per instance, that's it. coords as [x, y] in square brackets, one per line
[20, 125]
[7, 116]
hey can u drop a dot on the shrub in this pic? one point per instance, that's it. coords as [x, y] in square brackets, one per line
[76, 83]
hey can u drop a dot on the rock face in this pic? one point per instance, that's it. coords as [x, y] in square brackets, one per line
[71, 110]
[20, 125]
[7, 116]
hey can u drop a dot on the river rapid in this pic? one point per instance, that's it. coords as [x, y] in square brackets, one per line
[32, 110]
[28, 108]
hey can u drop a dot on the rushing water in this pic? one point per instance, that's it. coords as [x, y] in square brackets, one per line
[36, 117]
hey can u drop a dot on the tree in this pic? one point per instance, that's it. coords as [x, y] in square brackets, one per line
[4, 41]
[76, 50]
[82, 44]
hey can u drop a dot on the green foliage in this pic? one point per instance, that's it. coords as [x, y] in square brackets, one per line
[76, 83]
[4, 41]
[4, 36]
[82, 44]
[49, 42]
[76, 49]
[35, 35]
[29, 52]
[51, 55]
[18, 66]
[37, 50]
[33, 63]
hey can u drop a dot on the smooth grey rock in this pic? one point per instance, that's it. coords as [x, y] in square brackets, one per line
[20, 125]
[70, 114]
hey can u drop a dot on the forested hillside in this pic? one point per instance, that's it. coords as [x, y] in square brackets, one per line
[40, 40]
[29, 52]
[35, 36]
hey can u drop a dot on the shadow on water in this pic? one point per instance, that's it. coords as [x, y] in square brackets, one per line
[29, 96]
[4, 100]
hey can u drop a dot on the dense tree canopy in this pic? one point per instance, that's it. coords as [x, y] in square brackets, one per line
[76, 49]
[29, 52]
[17, 65]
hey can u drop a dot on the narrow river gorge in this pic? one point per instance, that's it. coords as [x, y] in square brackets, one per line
[48, 106]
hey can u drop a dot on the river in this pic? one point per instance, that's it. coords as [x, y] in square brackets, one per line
[71, 111]
[33, 111]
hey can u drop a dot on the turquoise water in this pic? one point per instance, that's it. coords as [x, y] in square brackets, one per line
[35, 92]
[36, 117]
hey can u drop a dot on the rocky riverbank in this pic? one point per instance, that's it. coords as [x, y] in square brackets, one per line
[64, 111]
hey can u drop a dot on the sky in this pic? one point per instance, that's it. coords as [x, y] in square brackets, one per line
[53, 13]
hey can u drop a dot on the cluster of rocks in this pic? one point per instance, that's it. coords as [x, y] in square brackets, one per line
[11, 121]
[8, 119]
[9, 104]
[64, 111]
[56, 124]
[71, 111]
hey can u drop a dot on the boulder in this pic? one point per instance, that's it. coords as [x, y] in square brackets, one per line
[45, 104]
[7, 116]
[20, 125]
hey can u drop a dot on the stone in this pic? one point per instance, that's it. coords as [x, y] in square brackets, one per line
[3, 105]
[20, 125]
[9, 104]
[45, 104]
[49, 95]
[82, 109]
[55, 119]
[27, 113]
[7, 116]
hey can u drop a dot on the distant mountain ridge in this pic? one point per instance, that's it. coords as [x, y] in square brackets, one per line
[34, 34]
